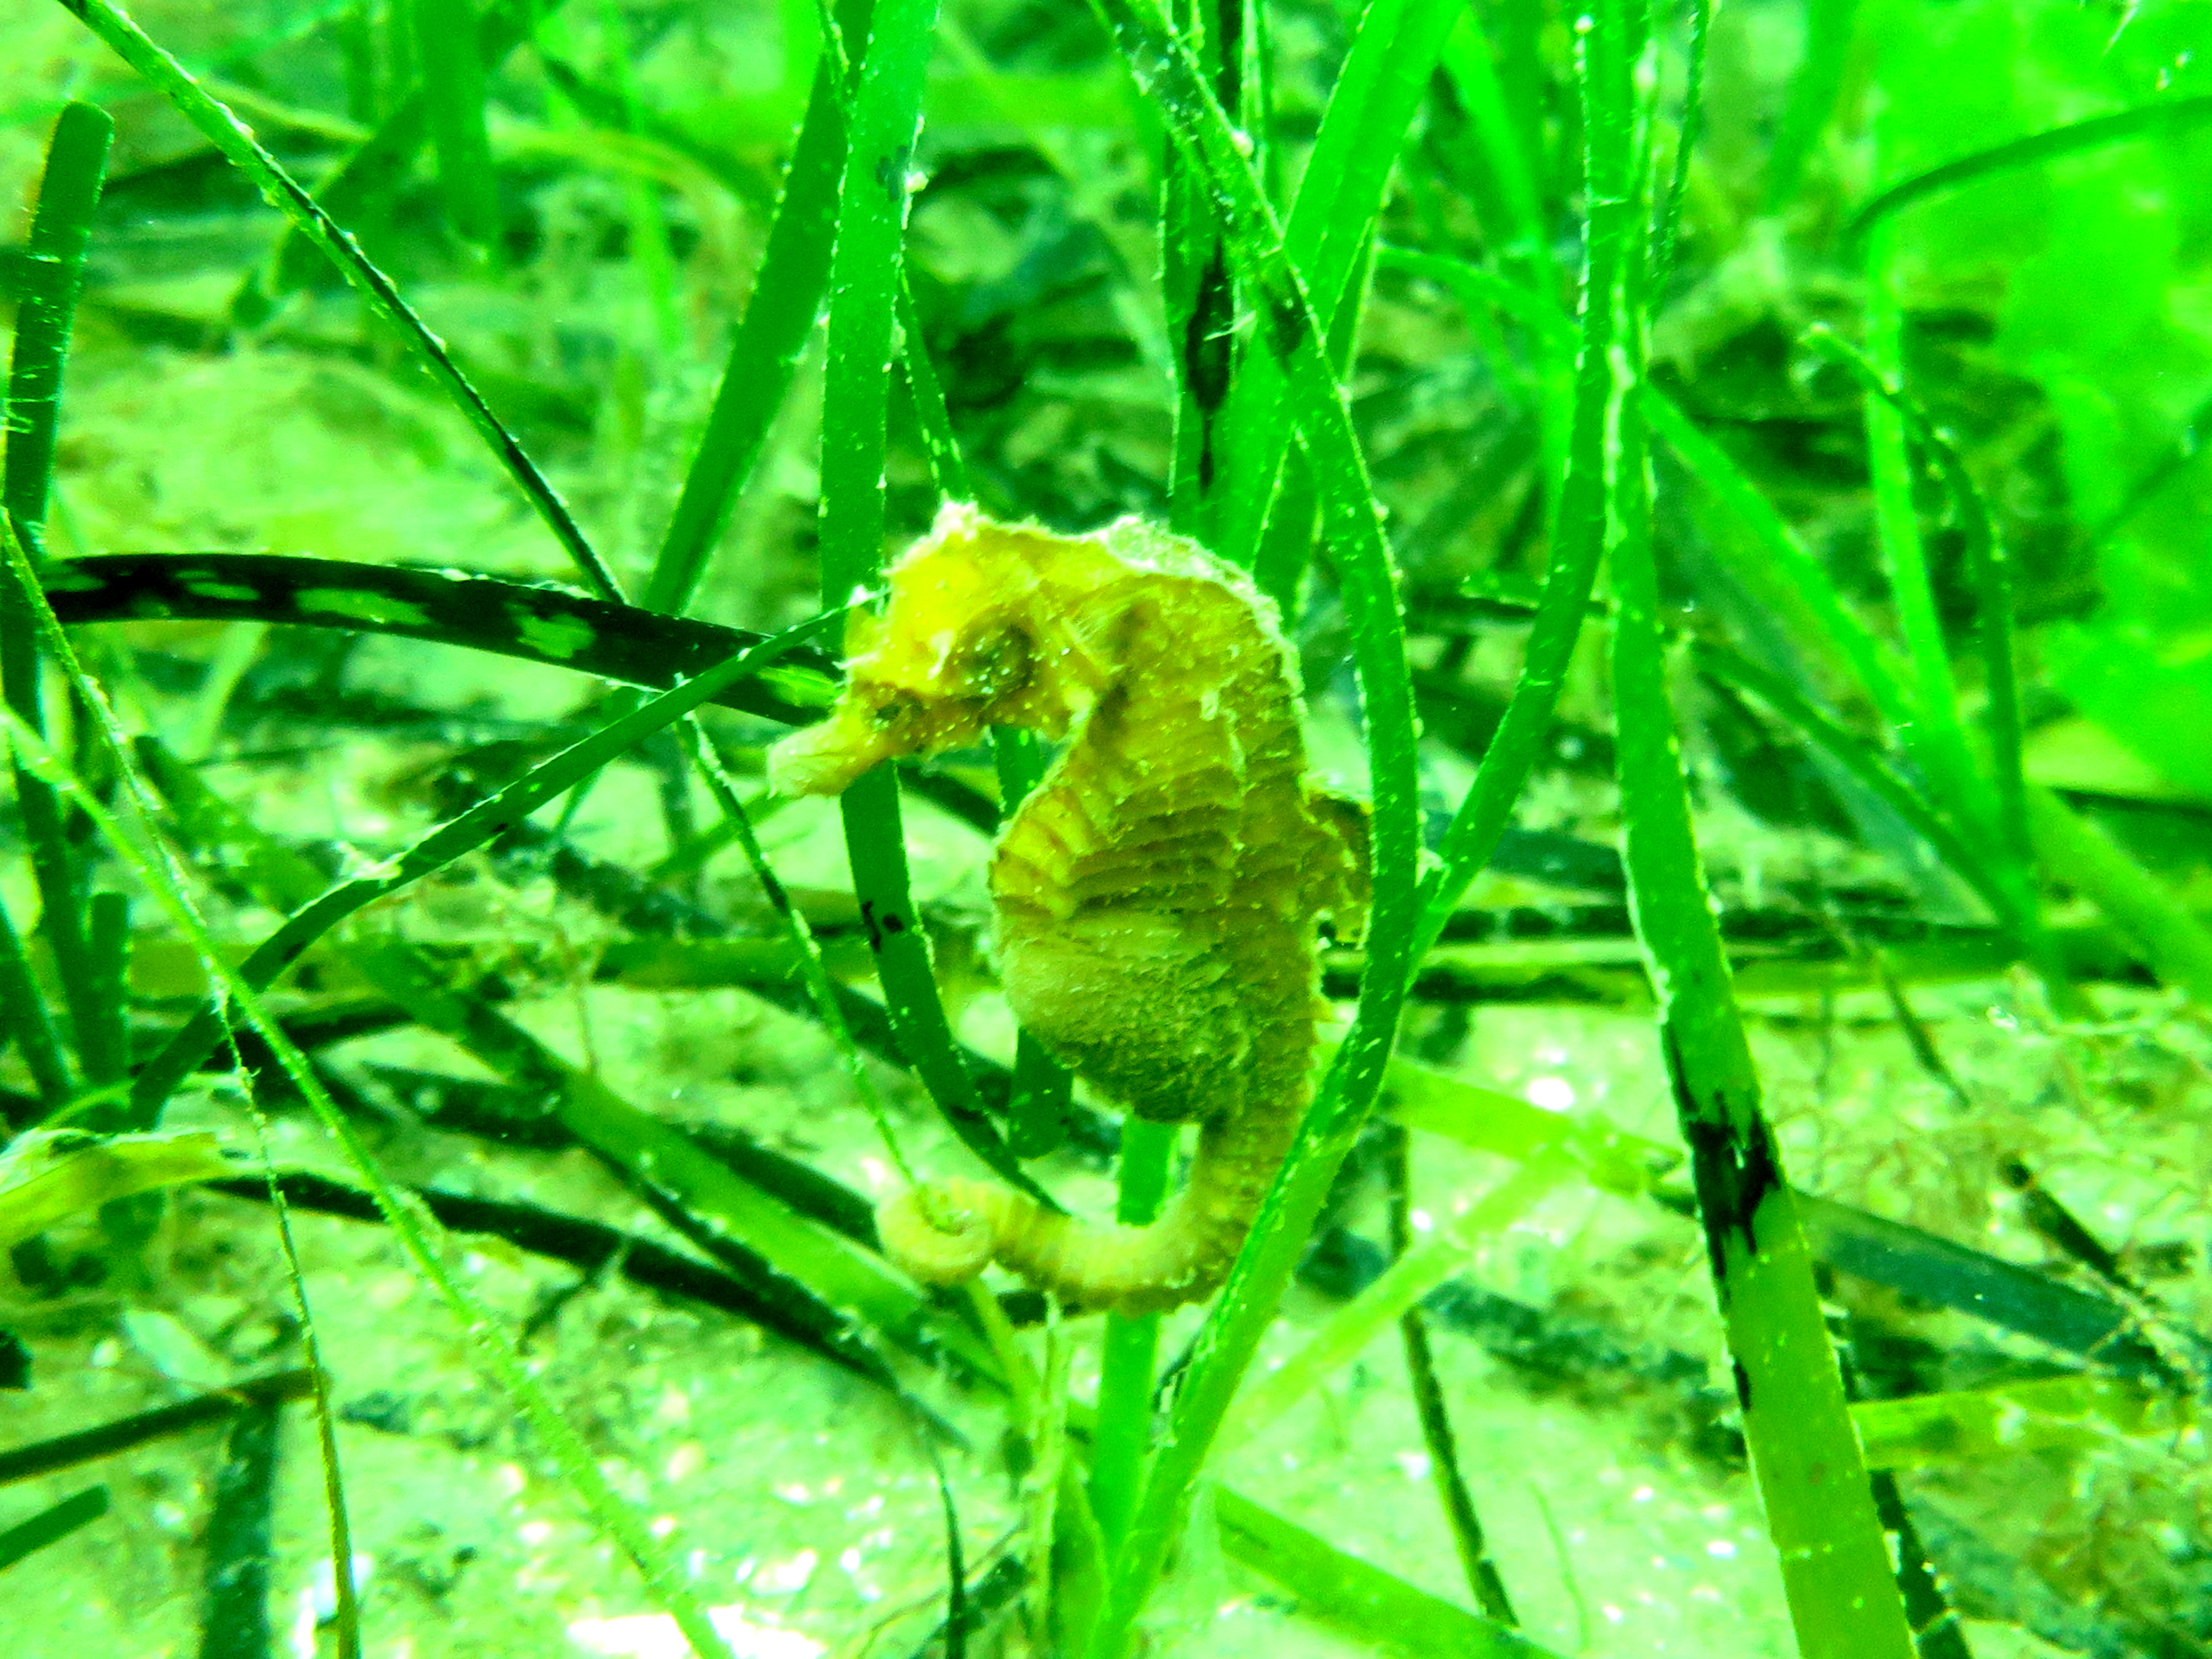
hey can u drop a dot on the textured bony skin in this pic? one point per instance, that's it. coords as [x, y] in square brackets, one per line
[1157, 896]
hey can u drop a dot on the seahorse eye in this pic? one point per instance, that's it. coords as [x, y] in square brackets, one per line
[895, 709]
[1000, 662]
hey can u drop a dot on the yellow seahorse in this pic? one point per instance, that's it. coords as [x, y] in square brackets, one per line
[1156, 896]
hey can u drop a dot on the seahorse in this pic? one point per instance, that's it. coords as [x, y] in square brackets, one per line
[1156, 897]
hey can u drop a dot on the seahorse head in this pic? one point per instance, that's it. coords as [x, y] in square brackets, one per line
[985, 625]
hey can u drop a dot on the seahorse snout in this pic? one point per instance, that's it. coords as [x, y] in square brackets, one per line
[826, 758]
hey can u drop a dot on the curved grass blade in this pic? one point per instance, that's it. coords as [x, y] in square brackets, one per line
[1862, 763]
[1668, 234]
[1812, 92]
[502, 1364]
[69, 1451]
[535, 623]
[214, 123]
[787, 298]
[23, 1008]
[376, 166]
[2176, 944]
[1990, 567]
[1820, 1509]
[1936, 735]
[1163, 66]
[1790, 575]
[449, 841]
[1434, 1412]
[866, 274]
[347, 1612]
[52, 1525]
[445, 34]
[61, 232]
[592, 1248]
[51, 1184]
[1340, 197]
[2170, 116]
[1377, 1608]
[1578, 542]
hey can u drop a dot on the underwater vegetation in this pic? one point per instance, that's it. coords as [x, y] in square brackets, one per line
[906, 828]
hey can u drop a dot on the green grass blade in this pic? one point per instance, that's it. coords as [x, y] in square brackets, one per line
[872, 201]
[2176, 944]
[831, 1279]
[375, 166]
[281, 190]
[61, 234]
[82, 1446]
[1121, 1442]
[1578, 542]
[866, 272]
[1860, 760]
[811, 1275]
[532, 624]
[1990, 567]
[347, 1612]
[1820, 1509]
[948, 468]
[1196, 297]
[1525, 243]
[1668, 234]
[648, 225]
[445, 34]
[1477, 289]
[52, 1525]
[503, 1363]
[1288, 327]
[763, 350]
[2174, 115]
[440, 847]
[1813, 93]
[23, 1006]
[1377, 1608]
[1934, 734]
[1788, 577]
[106, 1055]
[1340, 197]
[1433, 1410]
[819, 985]
[372, 169]
[1351, 1329]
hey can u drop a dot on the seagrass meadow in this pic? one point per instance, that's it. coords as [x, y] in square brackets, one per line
[1529, 687]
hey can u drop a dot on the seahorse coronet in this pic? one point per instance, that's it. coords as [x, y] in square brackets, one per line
[1156, 897]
